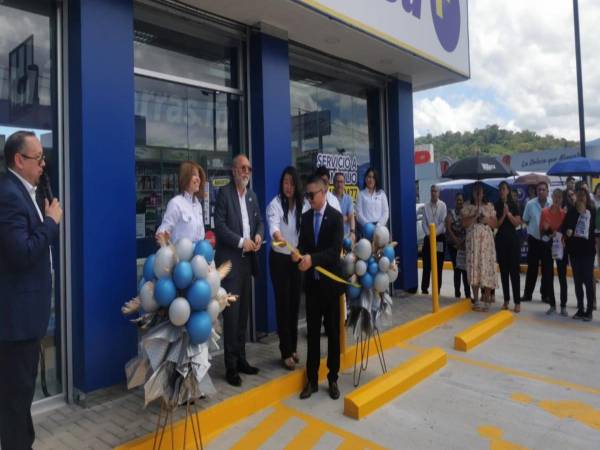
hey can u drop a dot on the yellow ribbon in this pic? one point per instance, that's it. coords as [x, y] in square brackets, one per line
[319, 269]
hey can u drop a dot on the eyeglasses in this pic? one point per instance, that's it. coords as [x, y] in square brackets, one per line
[39, 159]
[245, 169]
[311, 195]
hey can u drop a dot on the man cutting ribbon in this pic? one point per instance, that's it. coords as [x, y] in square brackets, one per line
[320, 244]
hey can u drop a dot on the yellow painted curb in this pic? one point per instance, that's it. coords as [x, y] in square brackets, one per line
[376, 393]
[474, 335]
[215, 419]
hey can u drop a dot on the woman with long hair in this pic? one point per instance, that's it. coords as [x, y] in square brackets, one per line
[479, 219]
[183, 217]
[578, 228]
[456, 236]
[372, 203]
[508, 248]
[283, 216]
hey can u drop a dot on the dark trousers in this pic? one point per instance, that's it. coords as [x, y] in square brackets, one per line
[285, 277]
[508, 252]
[583, 275]
[18, 371]
[322, 305]
[458, 274]
[539, 252]
[561, 269]
[235, 316]
[427, 262]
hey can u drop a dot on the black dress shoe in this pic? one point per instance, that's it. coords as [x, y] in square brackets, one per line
[334, 391]
[309, 389]
[246, 368]
[233, 378]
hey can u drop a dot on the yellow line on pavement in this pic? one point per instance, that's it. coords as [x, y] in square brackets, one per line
[509, 371]
[267, 428]
[308, 437]
[354, 441]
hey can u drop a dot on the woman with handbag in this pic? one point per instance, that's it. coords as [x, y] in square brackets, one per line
[456, 236]
[508, 248]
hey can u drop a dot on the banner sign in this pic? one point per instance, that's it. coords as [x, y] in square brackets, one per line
[436, 30]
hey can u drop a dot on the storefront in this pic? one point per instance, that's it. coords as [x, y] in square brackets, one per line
[122, 91]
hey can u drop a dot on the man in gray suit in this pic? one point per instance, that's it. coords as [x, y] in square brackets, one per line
[239, 229]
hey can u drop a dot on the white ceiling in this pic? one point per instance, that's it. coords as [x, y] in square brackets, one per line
[317, 31]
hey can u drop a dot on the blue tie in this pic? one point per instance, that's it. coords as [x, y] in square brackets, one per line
[317, 226]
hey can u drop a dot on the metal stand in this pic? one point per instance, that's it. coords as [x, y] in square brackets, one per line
[362, 346]
[165, 419]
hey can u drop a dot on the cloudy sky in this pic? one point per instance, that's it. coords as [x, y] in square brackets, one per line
[522, 71]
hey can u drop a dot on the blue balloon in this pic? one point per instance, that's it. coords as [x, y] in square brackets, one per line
[366, 281]
[371, 260]
[199, 327]
[373, 268]
[368, 230]
[204, 248]
[389, 252]
[347, 244]
[199, 295]
[164, 291]
[352, 292]
[183, 274]
[149, 268]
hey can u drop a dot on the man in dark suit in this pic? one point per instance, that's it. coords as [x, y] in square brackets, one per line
[25, 284]
[239, 229]
[320, 244]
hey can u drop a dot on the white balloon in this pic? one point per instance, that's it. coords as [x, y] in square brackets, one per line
[214, 280]
[382, 282]
[382, 236]
[147, 299]
[213, 309]
[200, 267]
[184, 249]
[213, 265]
[393, 274]
[164, 262]
[363, 249]
[179, 311]
[350, 258]
[360, 268]
[384, 264]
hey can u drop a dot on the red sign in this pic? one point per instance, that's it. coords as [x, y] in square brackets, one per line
[422, 157]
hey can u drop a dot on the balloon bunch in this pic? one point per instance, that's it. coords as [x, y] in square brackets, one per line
[370, 263]
[180, 298]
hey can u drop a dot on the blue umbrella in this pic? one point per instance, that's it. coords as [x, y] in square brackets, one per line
[575, 166]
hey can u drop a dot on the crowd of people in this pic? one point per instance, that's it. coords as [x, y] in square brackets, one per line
[562, 231]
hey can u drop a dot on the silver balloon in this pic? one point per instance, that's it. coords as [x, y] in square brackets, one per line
[213, 309]
[147, 299]
[184, 248]
[382, 236]
[360, 268]
[221, 293]
[164, 262]
[200, 267]
[214, 280]
[363, 249]
[179, 311]
[350, 257]
[393, 273]
[384, 264]
[382, 282]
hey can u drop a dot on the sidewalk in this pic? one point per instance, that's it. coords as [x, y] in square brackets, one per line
[114, 416]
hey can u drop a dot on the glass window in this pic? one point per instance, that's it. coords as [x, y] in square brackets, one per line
[28, 102]
[332, 117]
[175, 123]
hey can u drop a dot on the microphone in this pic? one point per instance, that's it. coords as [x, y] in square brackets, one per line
[46, 187]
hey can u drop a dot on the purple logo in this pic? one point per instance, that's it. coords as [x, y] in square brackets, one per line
[446, 19]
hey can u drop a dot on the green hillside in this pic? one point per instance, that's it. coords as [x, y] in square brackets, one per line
[490, 140]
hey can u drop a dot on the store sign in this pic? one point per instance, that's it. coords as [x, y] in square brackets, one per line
[347, 165]
[434, 29]
[539, 161]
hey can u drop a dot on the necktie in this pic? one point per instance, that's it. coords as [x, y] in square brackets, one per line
[317, 226]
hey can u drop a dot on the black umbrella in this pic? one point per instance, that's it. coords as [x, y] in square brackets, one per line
[477, 167]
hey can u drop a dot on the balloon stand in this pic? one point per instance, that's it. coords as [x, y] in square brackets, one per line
[363, 344]
[165, 420]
